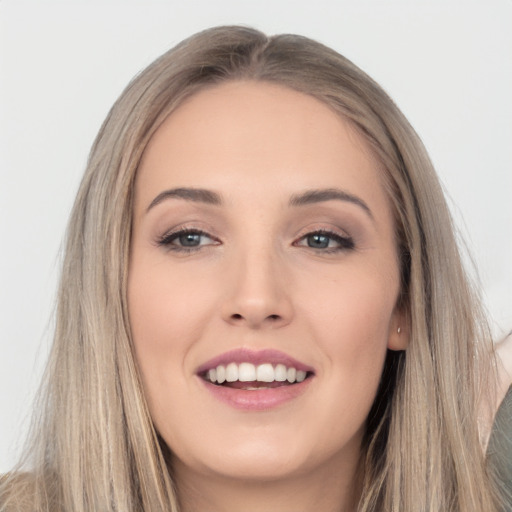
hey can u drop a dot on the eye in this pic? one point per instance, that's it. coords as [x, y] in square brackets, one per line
[186, 240]
[326, 241]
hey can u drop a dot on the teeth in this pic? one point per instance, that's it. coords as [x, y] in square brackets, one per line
[280, 373]
[221, 374]
[247, 372]
[231, 372]
[265, 373]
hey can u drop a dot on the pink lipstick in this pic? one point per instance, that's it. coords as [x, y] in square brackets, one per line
[255, 380]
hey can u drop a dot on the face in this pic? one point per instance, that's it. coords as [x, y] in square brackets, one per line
[262, 284]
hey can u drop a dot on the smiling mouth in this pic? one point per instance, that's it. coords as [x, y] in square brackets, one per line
[250, 377]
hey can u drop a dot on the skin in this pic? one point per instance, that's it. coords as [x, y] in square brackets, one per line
[255, 282]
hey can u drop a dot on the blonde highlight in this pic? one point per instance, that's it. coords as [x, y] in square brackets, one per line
[95, 447]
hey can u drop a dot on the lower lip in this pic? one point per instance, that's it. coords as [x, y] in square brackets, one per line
[257, 399]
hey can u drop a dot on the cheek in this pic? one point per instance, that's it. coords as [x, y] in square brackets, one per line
[165, 317]
[164, 308]
[351, 321]
[354, 310]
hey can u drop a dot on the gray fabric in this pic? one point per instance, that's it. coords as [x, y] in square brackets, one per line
[499, 452]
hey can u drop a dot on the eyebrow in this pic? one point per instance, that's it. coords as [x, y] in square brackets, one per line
[201, 195]
[328, 194]
[196, 195]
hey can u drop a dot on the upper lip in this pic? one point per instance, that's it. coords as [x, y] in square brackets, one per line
[256, 357]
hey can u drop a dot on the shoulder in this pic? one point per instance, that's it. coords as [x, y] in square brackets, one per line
[496, 389]
[504, 352]
[499, 450]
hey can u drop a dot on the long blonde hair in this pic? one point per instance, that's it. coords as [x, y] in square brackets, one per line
[94, 446]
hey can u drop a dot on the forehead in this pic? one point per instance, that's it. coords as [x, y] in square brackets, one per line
[268, 114]
[232, 135]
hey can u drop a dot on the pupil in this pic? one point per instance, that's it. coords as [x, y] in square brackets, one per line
[190, 239]
[318, 241]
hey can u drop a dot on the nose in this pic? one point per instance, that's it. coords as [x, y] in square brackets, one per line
[259, 292]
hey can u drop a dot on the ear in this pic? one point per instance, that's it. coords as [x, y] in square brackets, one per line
[399, 330]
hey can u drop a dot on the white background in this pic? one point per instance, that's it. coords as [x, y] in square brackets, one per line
[447, 63]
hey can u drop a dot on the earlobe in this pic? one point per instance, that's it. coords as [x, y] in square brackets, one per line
[399, 332]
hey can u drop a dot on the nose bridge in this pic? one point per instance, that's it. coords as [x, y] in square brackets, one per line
[258, 292]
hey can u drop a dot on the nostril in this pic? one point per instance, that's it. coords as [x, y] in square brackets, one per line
[238, 316]
[256, 319]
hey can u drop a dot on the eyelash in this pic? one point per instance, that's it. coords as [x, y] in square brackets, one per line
[168, 239]
[346, 243]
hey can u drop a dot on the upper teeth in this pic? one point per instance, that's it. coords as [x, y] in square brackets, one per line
[247, 372]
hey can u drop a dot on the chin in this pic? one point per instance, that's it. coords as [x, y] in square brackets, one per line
[248, 466]
[269, 457]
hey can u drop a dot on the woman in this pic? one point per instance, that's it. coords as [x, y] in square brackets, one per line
[262, 303]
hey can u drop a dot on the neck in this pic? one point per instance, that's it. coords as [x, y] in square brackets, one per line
[332, 488]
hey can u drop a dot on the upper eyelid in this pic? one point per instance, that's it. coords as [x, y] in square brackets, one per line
[301, 234]
[330, 230]
[176, 233]
[345, 240]
[326, 232]
[166, 241]
[169, 237]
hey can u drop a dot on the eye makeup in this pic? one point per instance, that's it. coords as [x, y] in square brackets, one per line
[188, 240]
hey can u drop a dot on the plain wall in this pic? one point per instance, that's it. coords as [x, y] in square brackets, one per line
[448, 65]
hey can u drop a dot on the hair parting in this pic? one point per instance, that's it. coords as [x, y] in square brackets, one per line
[94, 447]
